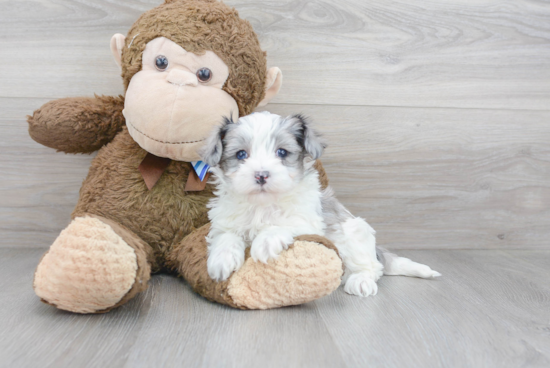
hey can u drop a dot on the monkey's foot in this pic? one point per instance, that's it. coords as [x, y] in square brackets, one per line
[308, 270]
[88, 269]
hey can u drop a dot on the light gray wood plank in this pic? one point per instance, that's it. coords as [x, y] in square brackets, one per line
[186, 330]
[424, 178]
[32, 237]
[16, 109]
[518, 284]
[39, 187]
[459, 53]
[476, 315]
[489, 309]
[180, 329]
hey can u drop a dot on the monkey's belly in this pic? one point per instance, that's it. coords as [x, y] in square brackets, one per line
[115, 189]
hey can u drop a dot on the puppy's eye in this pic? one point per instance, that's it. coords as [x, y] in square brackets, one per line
[241, 155]
[282, 153]
[161, 63]
[204, 75]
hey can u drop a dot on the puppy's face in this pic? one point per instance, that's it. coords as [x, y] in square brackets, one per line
[262, 154]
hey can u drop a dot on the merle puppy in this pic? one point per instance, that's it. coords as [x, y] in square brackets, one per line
[268, 192]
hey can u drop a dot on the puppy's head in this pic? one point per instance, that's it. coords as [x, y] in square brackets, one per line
[262, 153]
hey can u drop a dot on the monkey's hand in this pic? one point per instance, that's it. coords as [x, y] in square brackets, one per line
[77, 124]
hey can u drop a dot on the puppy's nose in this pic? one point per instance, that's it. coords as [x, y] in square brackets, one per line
[182, 78]
[260, 176]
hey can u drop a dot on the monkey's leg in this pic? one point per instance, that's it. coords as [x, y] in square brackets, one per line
[93, 266]
[308, 270]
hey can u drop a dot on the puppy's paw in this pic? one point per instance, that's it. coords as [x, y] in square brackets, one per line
[268, 244]
[361, 284]
[223, 260]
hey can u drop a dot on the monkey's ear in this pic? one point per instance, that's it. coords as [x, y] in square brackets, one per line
[211, 152]
[117, 43]
[273, 83]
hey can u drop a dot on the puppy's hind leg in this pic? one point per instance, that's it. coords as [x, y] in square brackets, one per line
[356, 244]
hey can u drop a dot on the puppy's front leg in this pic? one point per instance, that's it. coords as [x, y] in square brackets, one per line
[270, 242]
[225, 255]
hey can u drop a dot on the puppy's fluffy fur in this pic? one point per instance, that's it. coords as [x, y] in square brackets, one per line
[267, 192]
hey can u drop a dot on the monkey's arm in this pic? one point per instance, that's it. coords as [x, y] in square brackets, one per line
[77, 124]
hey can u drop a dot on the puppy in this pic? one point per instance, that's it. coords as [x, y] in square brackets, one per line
[268, 192]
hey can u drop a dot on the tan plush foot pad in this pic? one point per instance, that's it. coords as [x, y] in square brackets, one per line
[307, 271]
[88, 268]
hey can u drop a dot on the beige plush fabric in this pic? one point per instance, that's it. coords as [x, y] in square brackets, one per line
[87, 269]
[305, 272]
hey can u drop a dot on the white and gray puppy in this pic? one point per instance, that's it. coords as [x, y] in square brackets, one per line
[268, 192]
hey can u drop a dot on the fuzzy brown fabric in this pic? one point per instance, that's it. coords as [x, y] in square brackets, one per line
[189, 258]
[199, 26]
[115, 189]
[77, 124]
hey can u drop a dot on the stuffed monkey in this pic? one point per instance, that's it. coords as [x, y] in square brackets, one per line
[185, 64]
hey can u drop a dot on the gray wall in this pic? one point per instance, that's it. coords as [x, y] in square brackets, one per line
[437, 115]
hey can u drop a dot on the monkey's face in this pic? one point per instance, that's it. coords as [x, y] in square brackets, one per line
[176, 100]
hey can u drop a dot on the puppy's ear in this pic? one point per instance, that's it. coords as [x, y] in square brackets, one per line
[308, 138]
[211, 152]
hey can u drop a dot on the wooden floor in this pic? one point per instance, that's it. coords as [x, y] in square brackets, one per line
[437, 116]
[490, 309]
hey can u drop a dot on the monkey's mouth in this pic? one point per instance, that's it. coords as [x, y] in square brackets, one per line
[175, 150]
[161, 141]
[176, 126]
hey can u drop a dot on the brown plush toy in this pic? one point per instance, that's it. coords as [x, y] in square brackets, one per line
[142, 208]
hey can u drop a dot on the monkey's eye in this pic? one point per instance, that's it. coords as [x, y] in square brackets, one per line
[282, 153]
[241, 155]
[161, 63]
[204, 75]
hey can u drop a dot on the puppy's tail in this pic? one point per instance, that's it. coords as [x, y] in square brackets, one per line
[401, 266]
